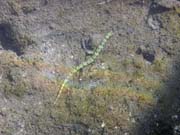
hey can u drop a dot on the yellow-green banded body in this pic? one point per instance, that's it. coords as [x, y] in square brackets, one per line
[90, 60]
[101, 47]
[104, 41]
[84, 64]
[108, 35]
[96, 53]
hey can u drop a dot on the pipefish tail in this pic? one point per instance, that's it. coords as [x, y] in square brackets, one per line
[84, 64]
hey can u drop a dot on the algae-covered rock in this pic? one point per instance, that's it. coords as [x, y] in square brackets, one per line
[15, 83]
[125, 91]
[168, 3]
[12, 40]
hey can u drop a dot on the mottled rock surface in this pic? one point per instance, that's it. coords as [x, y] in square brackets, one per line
[131, 89]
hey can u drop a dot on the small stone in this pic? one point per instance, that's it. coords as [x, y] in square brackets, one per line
[176, 130]
[71, 56]
[155, 115]
[86, 44]
[130, 114]
[153, 24]
[103, 125]
[168, 3]
[103, 66]
[174, 117]
[133, 120]
[89, 130]
[149, 56]
[157, 124]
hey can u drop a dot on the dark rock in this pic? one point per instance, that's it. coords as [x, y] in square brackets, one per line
[162, 127]
[160, 6]
[168, 3]
[27, 9]
[12, 40]
[86, 44]
[149, 56]
[156, 8]
[177, 130]
[139, 51]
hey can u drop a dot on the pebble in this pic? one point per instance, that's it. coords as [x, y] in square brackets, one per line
[168, 3]
[174, 117]
[103, 125]
[176, 130]
[153, 24]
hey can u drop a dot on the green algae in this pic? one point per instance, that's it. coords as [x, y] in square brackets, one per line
[160, 65]
[14, 85]
[106, 102]
[170, 22]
